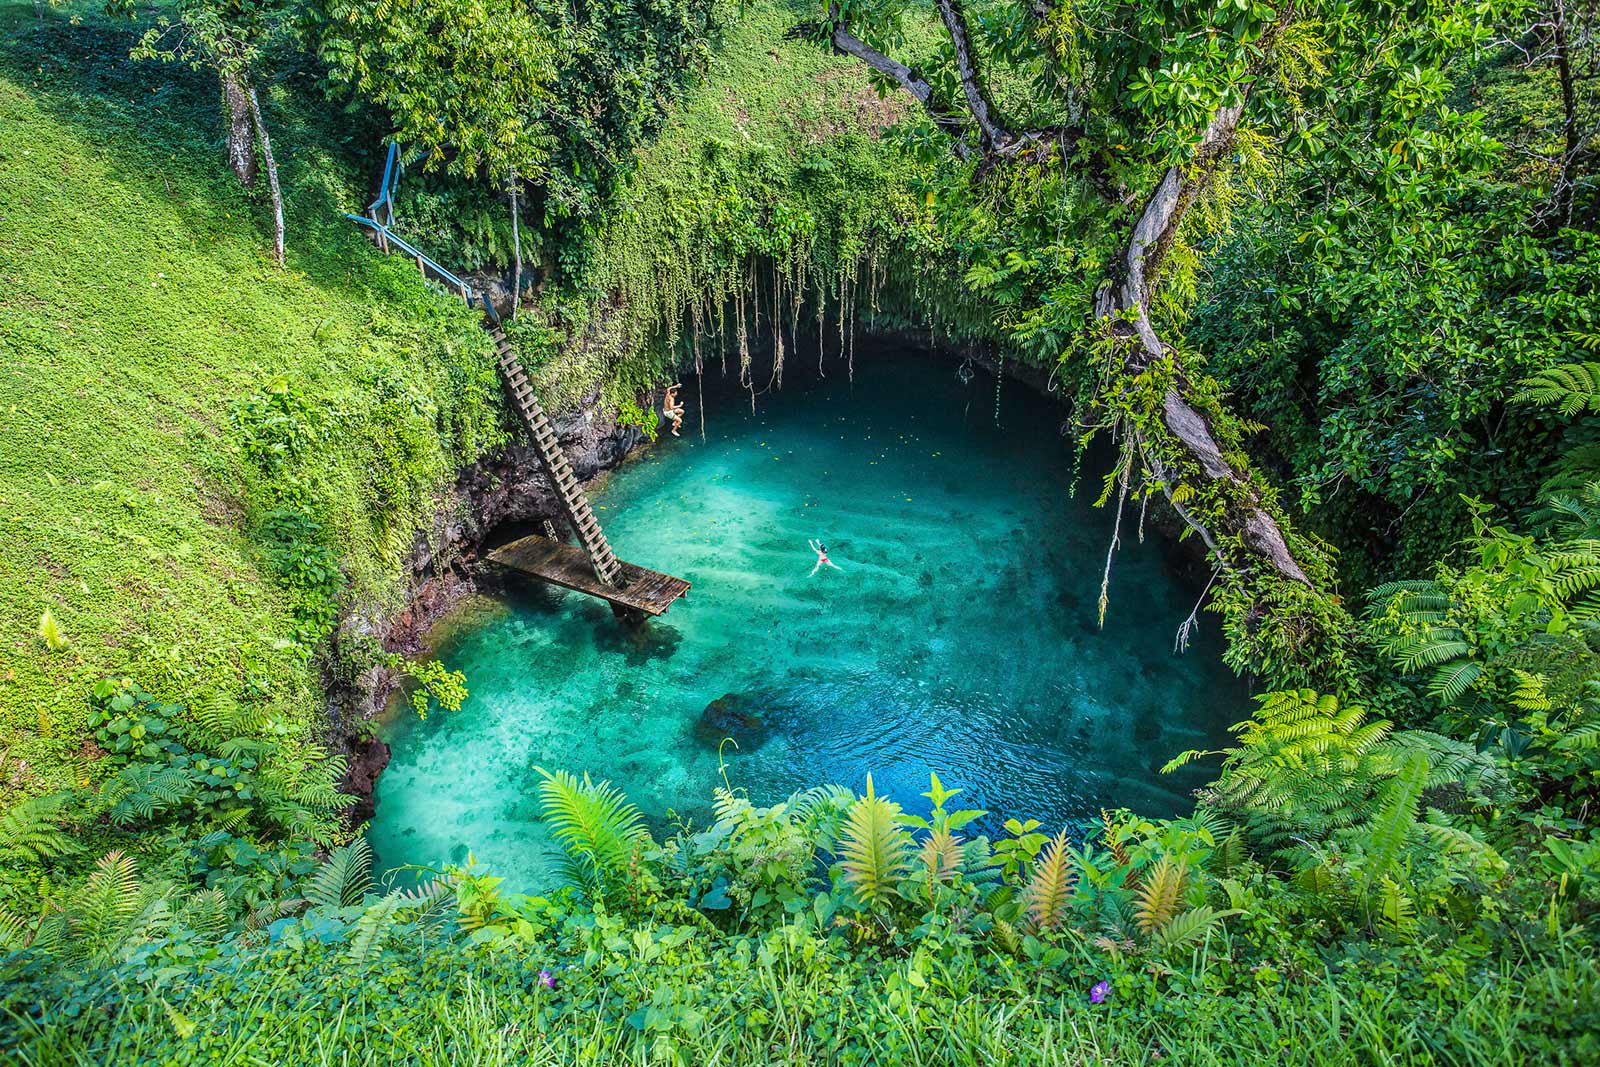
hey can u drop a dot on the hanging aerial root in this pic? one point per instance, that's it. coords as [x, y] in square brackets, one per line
[1187, 628]
[1116, 531]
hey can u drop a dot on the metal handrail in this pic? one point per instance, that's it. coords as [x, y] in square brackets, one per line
[406, 246]
[386, 236]
[391, 177]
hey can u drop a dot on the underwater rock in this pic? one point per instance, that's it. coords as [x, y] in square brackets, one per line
[735, 716]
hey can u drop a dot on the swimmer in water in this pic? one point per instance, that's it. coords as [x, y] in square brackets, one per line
[822, 557]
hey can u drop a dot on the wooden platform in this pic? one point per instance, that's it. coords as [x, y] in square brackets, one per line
[566, 565]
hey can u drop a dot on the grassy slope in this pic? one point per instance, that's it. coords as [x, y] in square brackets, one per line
[137, 302]
[778, 126]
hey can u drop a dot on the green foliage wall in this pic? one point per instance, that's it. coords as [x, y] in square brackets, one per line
[1377, 317]
[768, 196]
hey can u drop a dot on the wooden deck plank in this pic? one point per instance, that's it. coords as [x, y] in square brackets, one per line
[566, 565]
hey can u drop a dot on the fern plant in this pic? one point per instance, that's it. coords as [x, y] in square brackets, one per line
[344, 877]
[1159, 896]
[1392, 824]
[373, 925]
[601, 831]
[1571, 388]
[1050, 885]
[1304, 765]
[875, 850]
[1423, 634]
[50, 630]
[1454, 628]
[760, 861]
[31, 831]
[942, 856]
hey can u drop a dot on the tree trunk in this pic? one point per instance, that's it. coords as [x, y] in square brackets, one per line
[1572, 141]
[1126, 294]
[516, 251]
[972, 87]
[241, 137]
[272, 176]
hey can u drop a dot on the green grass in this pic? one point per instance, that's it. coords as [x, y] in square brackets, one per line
[138, 302]
[784, 998]
[139, 305]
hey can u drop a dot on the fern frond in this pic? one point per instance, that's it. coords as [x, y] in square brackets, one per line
[1455, 841]
[1422, 594]
[1582, 739]
[1006, 936]
[18, 932]
[105, 906]
[941, 854]
[1397, 814]
[1229, 855]
[1575, 513]
[217, 719]
[1191, 925]
[1569, 388]
[1430, 647]
[597, 825]
[206, 913]
[31, 831]
[1396, 909]
[874, 847]
[1050, 884]
[1450, 681]
[373, 925]
[1158, 896]
[343, 878]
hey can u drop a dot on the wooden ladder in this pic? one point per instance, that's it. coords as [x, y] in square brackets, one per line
[573, 503]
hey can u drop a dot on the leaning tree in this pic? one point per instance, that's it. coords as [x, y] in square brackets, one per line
[1090, 148]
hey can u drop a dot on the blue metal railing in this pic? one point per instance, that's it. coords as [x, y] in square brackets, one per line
[391, 178]
[416, 253]
[387, 237]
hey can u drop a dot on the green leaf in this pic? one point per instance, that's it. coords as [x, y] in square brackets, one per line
[50, 630]
[1391, 826]
[876, 851]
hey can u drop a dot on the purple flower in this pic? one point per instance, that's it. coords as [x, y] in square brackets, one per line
[1098, 991]
[547, 979]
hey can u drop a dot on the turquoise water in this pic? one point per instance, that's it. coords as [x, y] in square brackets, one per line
[958, 634]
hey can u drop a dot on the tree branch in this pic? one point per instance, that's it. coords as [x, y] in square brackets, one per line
[1124, 298]
[1126, 295]
[849, 44]
[1129, 285]
[955, 21]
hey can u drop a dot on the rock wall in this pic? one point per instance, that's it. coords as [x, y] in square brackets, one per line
[505, 493]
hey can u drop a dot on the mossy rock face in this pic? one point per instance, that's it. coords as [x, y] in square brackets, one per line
[733, 715]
